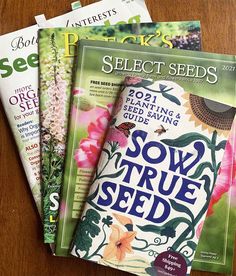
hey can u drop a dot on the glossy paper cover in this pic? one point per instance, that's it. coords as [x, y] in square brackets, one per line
[56, 48]
[215, 250]
[153, 182]
[58, 45]
[98, 81]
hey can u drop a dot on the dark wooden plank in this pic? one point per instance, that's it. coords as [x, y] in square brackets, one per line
[22, 248]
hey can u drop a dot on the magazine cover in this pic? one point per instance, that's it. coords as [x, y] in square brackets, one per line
[215, 250]
[19, 79]
[58, 46]
[152, 186]
[56, 49]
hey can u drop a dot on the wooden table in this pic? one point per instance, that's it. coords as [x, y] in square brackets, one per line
[22, 248]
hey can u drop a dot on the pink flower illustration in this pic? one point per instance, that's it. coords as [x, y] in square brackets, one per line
[224, 178]
[115, 135]
[53, 118]
[90, 148]
[88, 153]
[62, 209]
[132, 80]
[233, 181]
[97, 130]
[233, 190]
[199, 229]
[77, 91]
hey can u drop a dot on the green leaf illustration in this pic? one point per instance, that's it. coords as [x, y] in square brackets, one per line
[151, 271]
[192, 245]
[113, 175]
[218, 166]
[181, 208]
[113, 121]
[107, 152]
[221, 145]
[151, 228]
[87, 230]
[180, 220]
[173, 223]
[162, 87]
[90, 199]
[207, 185]
[185, 140]
[117, 159]
[201, 167]
[171, 98]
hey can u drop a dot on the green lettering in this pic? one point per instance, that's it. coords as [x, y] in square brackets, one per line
[33, 60]
[7, 68]
[134, 19]
[20, 65]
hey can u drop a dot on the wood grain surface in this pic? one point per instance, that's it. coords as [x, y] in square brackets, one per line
[21, 243]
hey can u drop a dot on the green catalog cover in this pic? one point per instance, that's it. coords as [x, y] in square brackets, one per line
[152, 186]
[56, 47]
[100, 82]
[215, 250]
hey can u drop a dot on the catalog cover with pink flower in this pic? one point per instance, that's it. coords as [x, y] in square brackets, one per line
[57, 49]
[215, 250]
[153, 182]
